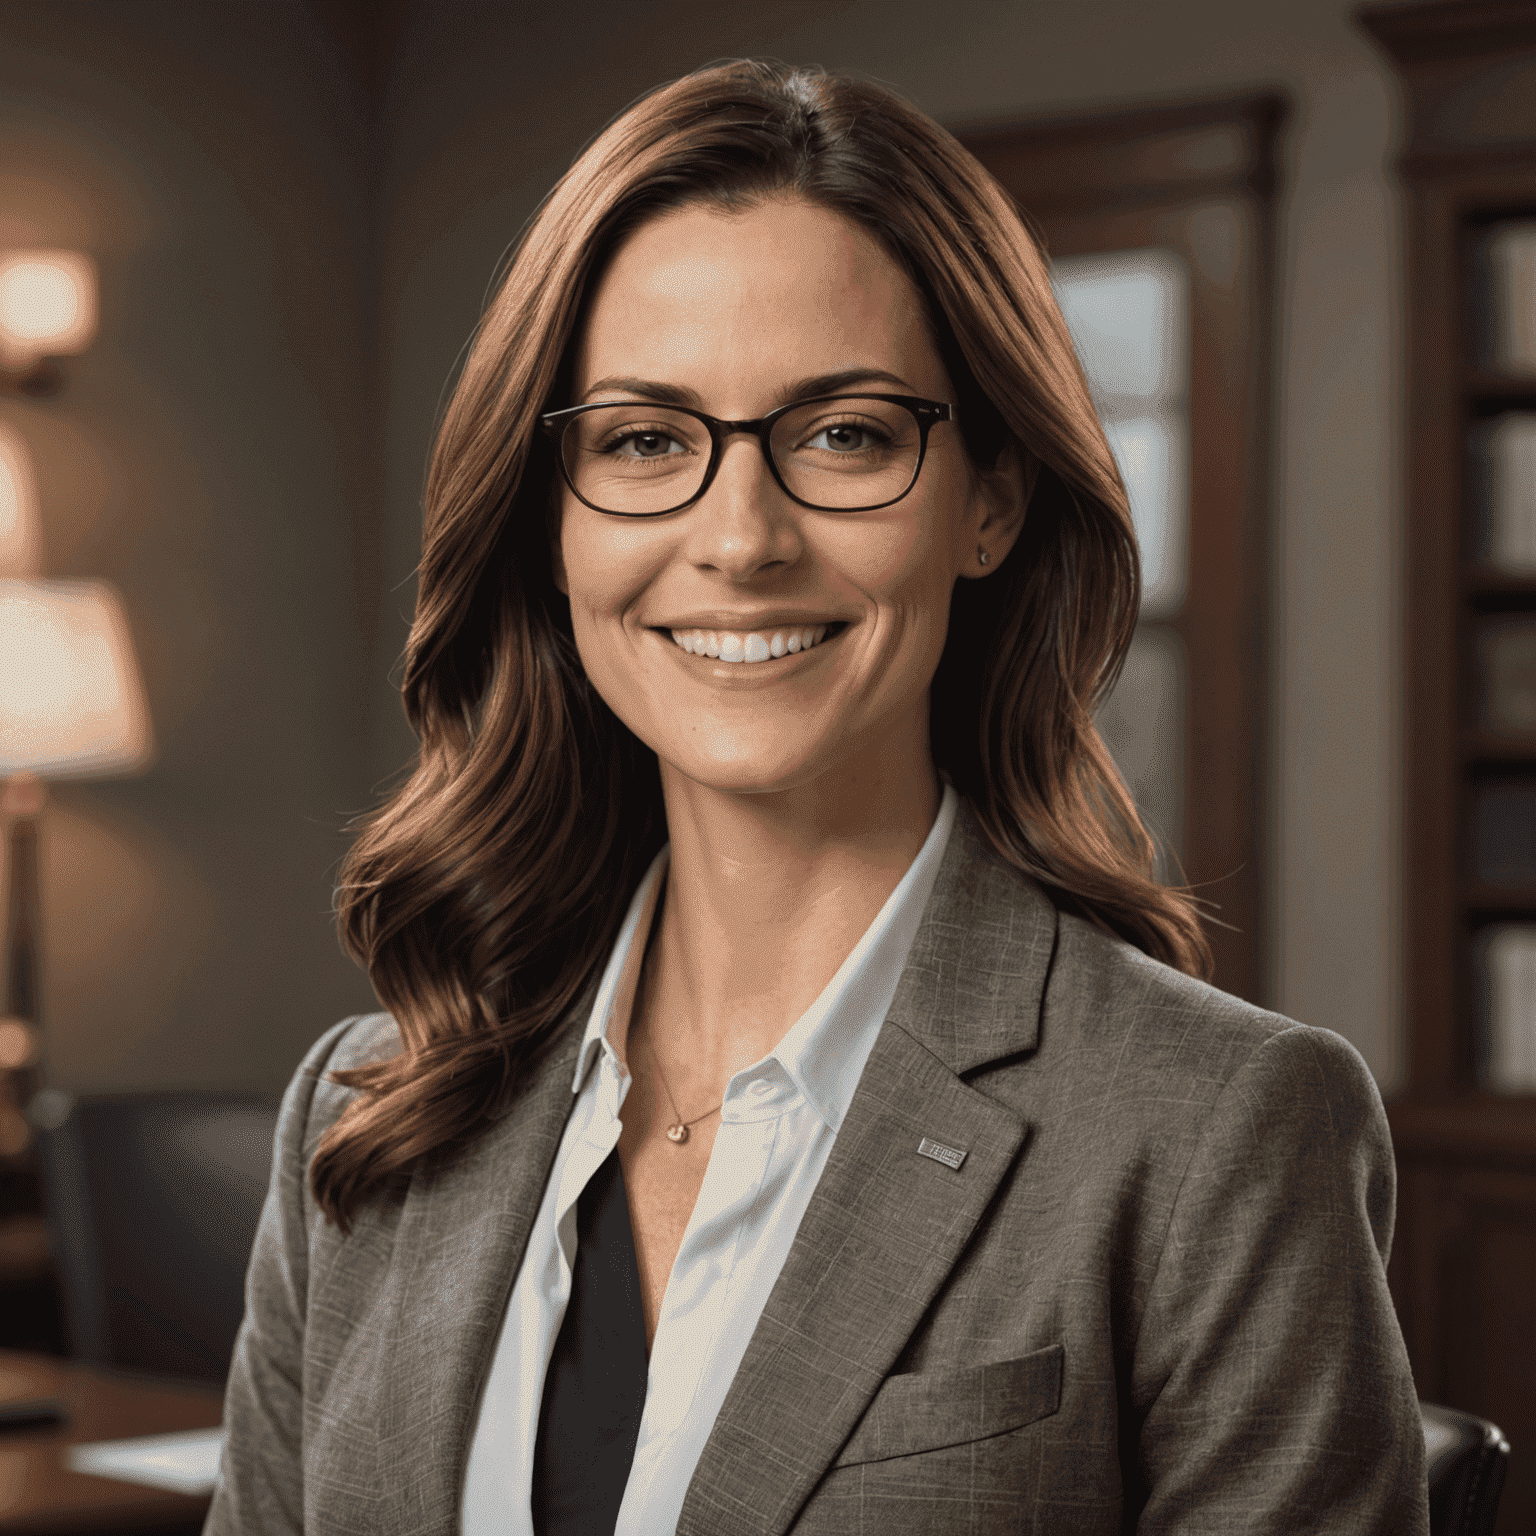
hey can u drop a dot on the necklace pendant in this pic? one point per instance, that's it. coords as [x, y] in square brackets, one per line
[677, 1134]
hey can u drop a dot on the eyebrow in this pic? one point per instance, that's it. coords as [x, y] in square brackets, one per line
[801, 389]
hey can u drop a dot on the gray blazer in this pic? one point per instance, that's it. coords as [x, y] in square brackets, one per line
[1151, 1297]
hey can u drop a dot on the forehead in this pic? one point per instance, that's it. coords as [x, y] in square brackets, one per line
[715, 300]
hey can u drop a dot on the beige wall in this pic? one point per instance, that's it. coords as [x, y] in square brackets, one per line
[221, 452]
[206, 457]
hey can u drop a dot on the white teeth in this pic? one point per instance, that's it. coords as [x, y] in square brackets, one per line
[734, 646]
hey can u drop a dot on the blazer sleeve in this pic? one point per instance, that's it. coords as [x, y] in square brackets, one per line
[1275, 1387]
[261, 1478]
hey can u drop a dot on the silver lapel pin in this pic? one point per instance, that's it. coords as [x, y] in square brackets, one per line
[951, 1157]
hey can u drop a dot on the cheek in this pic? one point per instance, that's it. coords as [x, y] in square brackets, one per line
[902, 562]
[606, 567]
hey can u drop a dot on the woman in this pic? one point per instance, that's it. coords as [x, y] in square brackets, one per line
[797, 1106]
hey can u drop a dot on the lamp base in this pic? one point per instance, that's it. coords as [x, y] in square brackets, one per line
[21, 799]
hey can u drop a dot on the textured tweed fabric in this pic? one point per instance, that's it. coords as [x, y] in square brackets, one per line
[1151, 1298]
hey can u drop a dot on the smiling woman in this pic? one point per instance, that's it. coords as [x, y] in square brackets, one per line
[797, 1105]
[837, 529]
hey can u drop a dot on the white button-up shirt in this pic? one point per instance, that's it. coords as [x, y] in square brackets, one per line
[777, 1125]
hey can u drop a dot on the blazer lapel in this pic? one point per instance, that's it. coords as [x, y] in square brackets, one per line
[887, 1222]
[461, 1239]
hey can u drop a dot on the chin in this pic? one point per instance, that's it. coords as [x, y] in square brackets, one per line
[745, 772]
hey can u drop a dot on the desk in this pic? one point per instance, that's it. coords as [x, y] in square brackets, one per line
[40, 1496]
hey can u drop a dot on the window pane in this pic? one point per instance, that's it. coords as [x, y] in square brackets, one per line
[1128, 312]
[1152, 454]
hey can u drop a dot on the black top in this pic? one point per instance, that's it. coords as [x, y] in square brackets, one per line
[594, 1391]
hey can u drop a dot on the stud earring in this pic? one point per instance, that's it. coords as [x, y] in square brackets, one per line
[982, 557]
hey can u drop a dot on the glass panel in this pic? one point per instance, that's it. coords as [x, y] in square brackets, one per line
[1128, 312]
[1504, 468]
[1504, 834]
[1151, 452]
[1142, 723]
[1510, 315]
[1504, 971]
[1506, 675]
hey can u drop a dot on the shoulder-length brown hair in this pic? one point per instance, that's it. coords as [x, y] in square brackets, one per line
[484, 893]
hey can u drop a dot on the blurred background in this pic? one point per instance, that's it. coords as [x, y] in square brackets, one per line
[296, 210]
[293, 210]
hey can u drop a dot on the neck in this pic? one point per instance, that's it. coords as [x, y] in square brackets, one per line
[766, 896]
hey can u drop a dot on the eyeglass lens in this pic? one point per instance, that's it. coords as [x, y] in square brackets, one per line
[838, 455]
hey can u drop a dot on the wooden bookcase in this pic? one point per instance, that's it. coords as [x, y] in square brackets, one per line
[1464, 1260]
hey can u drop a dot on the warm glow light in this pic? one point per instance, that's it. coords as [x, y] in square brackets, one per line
[18, 1044]
[47, 304]
[71, 702]
[20, 551]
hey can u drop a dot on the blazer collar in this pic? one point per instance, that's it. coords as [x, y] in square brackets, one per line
[465, 1228]
[887, 1222]
[974, 980]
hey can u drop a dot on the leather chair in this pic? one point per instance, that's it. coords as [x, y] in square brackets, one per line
[153, 1200]
[1468, 1457]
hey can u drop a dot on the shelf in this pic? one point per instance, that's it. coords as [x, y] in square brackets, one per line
[1489, 747]
[1489, 591]
[1484, 900]
[1486, 387]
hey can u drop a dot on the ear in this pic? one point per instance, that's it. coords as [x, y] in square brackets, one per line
[1002, 494]
[557, 563]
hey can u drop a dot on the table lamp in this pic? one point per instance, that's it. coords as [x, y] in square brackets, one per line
[47, 309]
[71, 703]
[71, 706]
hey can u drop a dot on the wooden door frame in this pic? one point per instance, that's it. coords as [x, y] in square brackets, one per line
[1200, 180]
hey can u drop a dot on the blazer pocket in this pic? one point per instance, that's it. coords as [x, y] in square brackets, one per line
[927, 1410]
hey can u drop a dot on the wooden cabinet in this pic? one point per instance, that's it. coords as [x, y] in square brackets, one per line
[1464, 1264]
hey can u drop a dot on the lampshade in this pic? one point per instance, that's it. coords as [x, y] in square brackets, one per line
[71, 701]
[47, 304]
[19, 540]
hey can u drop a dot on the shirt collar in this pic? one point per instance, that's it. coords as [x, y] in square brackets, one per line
[616, 991]
[826, 1049]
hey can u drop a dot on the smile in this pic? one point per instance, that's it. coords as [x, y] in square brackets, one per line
[750, 646]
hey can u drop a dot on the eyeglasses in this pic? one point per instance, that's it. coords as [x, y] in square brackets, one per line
[836, 453]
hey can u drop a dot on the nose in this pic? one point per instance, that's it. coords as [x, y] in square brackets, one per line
[744, 524]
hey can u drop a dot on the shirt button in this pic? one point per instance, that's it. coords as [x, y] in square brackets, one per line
[759, 1087]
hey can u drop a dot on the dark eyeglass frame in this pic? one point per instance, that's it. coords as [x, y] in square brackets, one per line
[926, 412]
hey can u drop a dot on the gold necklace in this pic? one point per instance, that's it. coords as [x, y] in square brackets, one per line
[677, 1132]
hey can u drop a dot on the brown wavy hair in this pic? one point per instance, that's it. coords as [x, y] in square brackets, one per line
[483, 895]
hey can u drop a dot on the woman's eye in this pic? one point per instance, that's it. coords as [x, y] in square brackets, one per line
[845, 437]
[645, 445]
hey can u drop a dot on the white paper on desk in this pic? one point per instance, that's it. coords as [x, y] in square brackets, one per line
[187, 1462]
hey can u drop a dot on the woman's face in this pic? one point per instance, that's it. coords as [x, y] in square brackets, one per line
[736, 314]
